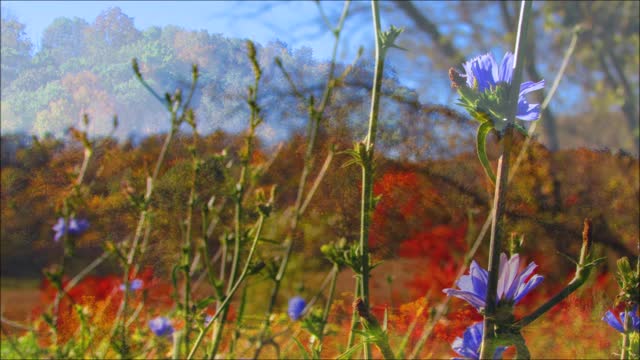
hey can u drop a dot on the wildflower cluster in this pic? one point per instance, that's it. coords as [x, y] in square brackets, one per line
[73, 227]
[490, 91]
[484, 93]
[486, 90]
[161, 326]
[618, 322]
[296, 307]
[513, 284]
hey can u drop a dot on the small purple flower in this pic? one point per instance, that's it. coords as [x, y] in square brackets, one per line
[483, 73]
[512, 284]
[618, 324]
[75, 227]
[296, 307]
[161, 326]
[468, 346]
[135, 284]
[207, 320]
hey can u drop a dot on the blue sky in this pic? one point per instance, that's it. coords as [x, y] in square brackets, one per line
[297, 23]
[259, 20]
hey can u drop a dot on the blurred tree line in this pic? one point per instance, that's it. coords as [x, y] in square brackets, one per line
[416, 197]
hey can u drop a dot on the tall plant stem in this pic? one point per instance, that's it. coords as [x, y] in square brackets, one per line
[354, 316]
[233, 289]
[188, 247]
[497, 226]
[327, 306]
[443, 306]
[241, 187]
[315, 117]
[122, 310]
[368, 164]
[61, 291]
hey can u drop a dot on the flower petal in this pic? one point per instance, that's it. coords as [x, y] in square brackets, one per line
[473, 336]
[296, 307]
[485, 70]
[499, 351]
[508, 274]
[161, 326]
[465, 283]
[467, 296]
[501, 271]
[459, 347]
[524, 289]
[480, 278]
[505, 73]
[469, 73]
[59, 228]
[520, 280]
[526, 111]
[529, 86]
[611, 319]
[635, 319]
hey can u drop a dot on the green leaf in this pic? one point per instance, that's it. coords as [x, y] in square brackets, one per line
[481, 143]
[304, 351]
[205, 302]
[347, 354]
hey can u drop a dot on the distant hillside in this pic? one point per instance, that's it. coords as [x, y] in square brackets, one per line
[85, 67]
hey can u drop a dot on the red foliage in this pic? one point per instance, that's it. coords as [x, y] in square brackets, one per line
[455, 323]
[102, 296]
[396, 190]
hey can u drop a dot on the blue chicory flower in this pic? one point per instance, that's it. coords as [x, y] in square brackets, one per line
[296, 307]
[483, 73]
[512, 284]
[469, 344]
[75, 227]
[161, 326]
[135, 284]
[618, 324]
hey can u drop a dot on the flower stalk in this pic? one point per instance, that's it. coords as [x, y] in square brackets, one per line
[497, 227]
[187, 249]
[234, 288]
[363, 153]
[177, 107]
[583, 268]
[315, 116]
[254, 120]
[374, 332]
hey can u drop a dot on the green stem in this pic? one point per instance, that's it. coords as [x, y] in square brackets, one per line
[521, 347]
[327, 306]
[188, 248]
[443, 305]
[354, 315]
[238, 325]
[315, 116]
[624, 353]
[232, 291]
[122, 311]
[368, 164]
[60, 293]
[374, 330]
[254, 121]
[582, 273]
[497, 225]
